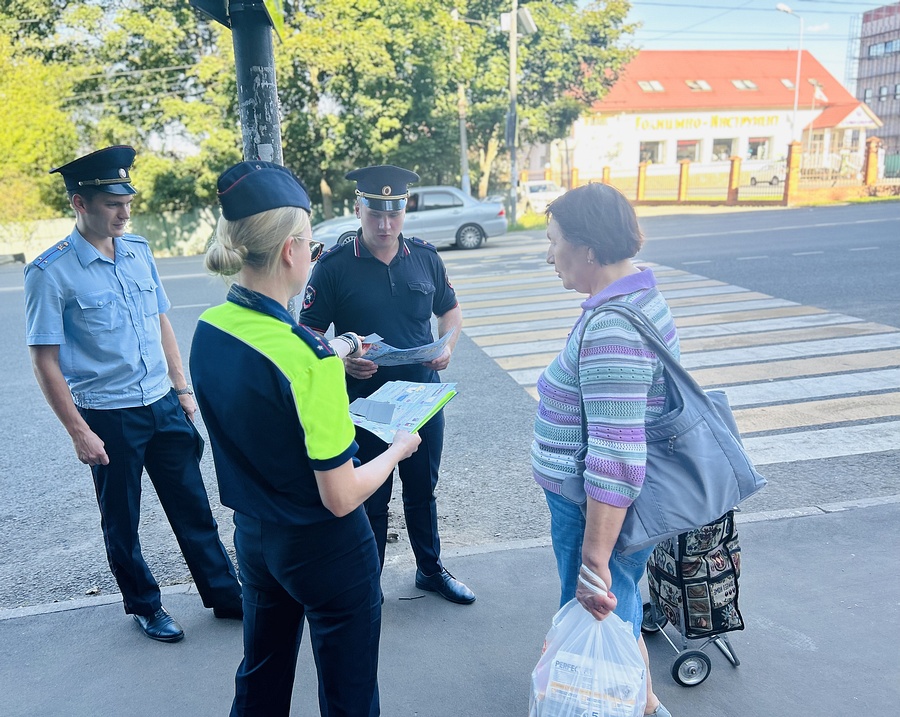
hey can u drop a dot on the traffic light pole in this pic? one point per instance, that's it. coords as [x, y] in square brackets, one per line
[254, 59]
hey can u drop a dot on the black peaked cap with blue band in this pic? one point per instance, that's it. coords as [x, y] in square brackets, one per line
[249, 188]
[105, 170]
[383, 187]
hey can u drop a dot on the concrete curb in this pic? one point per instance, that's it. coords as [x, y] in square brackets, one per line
[487, 548]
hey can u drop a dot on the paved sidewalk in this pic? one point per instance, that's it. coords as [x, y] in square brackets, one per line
[819, 594]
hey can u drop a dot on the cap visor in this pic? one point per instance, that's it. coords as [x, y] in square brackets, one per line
[118, 189]
[384, 205]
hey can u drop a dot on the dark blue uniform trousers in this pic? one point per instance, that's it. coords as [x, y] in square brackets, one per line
[162, 439]
[419, 477]
[327, 573]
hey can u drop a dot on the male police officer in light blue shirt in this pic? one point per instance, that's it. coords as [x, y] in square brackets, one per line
[107, 361]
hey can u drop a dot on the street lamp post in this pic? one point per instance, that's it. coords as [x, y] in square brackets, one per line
[516, 17]
[512, 123]
[781, 7]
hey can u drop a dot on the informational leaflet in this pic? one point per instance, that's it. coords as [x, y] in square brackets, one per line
[400, 405]
[386, 355]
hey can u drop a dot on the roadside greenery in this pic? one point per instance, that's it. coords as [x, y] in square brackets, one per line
[360, 82]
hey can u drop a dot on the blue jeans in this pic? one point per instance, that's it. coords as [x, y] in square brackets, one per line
[567, 524]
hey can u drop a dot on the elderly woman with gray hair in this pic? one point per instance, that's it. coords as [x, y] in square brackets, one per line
[605, 383]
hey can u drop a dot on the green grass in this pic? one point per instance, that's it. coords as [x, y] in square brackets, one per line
[527, 222]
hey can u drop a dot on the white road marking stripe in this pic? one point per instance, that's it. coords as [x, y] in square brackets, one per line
[752, 258]
[735, 328]
[806, 253]
[799, 349]
[864, 248]
[803, 389]
[702, 309]
[824, 443]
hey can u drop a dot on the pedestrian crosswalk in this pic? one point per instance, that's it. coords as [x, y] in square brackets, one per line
[806, 383]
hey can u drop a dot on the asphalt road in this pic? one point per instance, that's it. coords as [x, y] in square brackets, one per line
[50, 540]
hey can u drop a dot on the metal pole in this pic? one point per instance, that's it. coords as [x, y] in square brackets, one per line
[463, 143]
[254, 59]
[513, 122]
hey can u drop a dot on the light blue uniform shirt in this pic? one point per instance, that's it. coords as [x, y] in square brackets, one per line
[104, 316]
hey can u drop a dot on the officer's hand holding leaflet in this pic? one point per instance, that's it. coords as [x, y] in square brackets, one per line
[345, 488]
[360, 368]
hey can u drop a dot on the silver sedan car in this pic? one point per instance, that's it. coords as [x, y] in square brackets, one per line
[439, 215]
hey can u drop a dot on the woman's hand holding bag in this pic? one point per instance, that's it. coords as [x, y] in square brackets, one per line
[588, 667]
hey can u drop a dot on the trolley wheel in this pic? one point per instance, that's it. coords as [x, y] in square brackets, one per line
[648, 625]
[691, 668]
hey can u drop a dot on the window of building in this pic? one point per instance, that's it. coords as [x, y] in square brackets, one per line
[876, 50]
[891, 46]
[722, 150]
[651, 85]
[787, 83]
[698, 85]
[744, 84]
[882, 93]
[867, 94]
[652, 152]
[688, 149]
[897, 91]
[758, 148]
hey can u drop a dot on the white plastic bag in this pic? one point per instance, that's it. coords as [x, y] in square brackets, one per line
[590, 668]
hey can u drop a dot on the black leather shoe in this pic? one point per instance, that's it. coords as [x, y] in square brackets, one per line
[445, 585]
[229, 612]
[160, 626]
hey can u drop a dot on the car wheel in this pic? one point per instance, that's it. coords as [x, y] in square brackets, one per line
[752, 181]
[345, 238]
[774, 181]
[469, 236]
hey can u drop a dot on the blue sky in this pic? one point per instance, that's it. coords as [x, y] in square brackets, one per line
[751, 24]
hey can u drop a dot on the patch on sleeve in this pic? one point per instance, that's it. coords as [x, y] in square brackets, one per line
[46, 258]
[309, 297]
[448, 281]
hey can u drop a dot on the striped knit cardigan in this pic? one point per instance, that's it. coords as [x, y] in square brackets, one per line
[623, 385]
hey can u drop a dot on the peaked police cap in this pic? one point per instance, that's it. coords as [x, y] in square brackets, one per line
[105, 170]
[383, 187]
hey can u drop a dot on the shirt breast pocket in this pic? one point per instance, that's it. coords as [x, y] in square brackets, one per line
[421, 298]
[147, 289]
[100, 311]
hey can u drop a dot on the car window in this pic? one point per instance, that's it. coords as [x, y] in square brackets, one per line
[412, 204]
[438, 200]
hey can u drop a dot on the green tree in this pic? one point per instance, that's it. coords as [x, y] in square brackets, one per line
[36, 134]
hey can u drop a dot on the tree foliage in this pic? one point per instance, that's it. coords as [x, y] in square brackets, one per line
[360, 82]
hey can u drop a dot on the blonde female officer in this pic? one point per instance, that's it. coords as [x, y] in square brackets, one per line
[273, 398]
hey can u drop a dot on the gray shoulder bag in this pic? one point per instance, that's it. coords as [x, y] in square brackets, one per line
[697, 468]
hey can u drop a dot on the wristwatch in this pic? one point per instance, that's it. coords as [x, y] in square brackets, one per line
[186, 391]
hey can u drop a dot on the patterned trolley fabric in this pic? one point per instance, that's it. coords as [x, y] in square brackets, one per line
[693, 579]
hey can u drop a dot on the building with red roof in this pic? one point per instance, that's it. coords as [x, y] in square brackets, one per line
[708, 105]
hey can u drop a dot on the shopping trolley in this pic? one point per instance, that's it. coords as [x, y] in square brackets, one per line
[693, 581]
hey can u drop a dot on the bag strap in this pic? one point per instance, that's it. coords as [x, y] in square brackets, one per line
[684, 382]
[585, 321]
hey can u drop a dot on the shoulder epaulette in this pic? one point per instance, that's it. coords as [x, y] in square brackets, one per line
[46, 258]
[135, 237]
[422, 243]
[321, 348]
[326, 255]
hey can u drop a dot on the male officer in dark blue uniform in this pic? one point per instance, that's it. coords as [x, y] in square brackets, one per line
[385, 283]
[107, 361]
